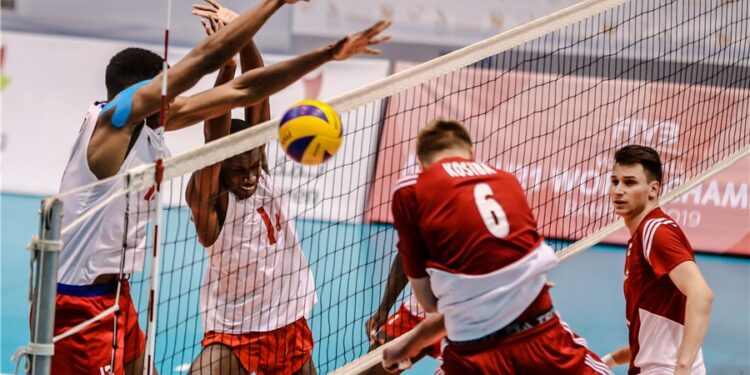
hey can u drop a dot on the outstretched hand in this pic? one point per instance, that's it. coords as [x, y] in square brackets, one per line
[222, 13]
[214, 10]
[213, 25]
[361, 42]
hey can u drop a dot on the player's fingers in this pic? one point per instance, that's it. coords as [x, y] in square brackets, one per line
[370, 51]
[213, 3]
[203, 8]
[201, 13]
[405, 364]
[390, 367]
[377, 28]
[206, 26]
[382, 39]
[214, 24]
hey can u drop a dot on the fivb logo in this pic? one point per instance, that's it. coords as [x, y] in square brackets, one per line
[105, 370]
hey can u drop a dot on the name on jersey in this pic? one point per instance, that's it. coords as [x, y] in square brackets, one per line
[467, 168]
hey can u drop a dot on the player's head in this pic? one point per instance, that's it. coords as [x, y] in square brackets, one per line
[130, 66]
[240, 173]
[636, 180]
[442, 138]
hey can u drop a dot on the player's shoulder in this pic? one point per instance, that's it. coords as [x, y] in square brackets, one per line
[658, 225]
[405, 183]
[658, 221]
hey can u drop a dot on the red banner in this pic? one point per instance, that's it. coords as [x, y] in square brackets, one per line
[558, 134]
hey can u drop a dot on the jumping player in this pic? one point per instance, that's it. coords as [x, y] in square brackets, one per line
[120, 135]
[473, 254]
[258, 289]
[668, 302]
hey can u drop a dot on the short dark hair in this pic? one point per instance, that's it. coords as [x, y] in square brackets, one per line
[440, 135]
[643, 155]
[130, 66]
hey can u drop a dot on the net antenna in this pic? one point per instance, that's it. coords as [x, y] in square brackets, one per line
[155, 265]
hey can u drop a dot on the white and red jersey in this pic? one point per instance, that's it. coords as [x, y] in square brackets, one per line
[469, 228]
[258, 279]
[95, 246]
[655, 308]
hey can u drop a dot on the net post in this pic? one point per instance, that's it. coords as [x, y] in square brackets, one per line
[46, 250]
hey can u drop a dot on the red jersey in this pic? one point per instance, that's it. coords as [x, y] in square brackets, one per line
[463, 219]
[655, 308]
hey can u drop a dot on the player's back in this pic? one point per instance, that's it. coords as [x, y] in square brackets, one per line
[475, 217]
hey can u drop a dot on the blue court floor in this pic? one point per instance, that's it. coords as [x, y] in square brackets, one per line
[349, 262]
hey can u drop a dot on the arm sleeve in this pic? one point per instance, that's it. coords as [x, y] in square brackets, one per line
[668, 249]
[410, 245]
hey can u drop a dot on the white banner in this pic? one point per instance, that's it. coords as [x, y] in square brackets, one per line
[51, 81]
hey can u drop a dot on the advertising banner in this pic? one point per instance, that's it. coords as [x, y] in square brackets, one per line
[558, 135]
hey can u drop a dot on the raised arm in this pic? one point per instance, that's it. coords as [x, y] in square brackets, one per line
[122, 118]
[250, 58]
[206, 57]
[258, 84]
[203, 187]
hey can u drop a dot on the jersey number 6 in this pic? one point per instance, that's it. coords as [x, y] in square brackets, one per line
[491, 211]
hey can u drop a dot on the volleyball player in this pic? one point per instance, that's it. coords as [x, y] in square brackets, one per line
[473, 254]
[122, 134]
[258, 289]
[668, 302]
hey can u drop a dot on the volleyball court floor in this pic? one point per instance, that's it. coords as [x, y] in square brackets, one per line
[588, 293]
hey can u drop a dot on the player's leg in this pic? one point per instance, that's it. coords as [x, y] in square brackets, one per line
[135, 367]
[592, 363]
[216, 359]
[131, 338]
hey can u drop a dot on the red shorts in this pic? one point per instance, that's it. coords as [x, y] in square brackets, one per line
[403, 321]
[282, 351]
[89, 351]
[550, 348]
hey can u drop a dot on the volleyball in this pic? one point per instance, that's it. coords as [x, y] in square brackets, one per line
[310, 132]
